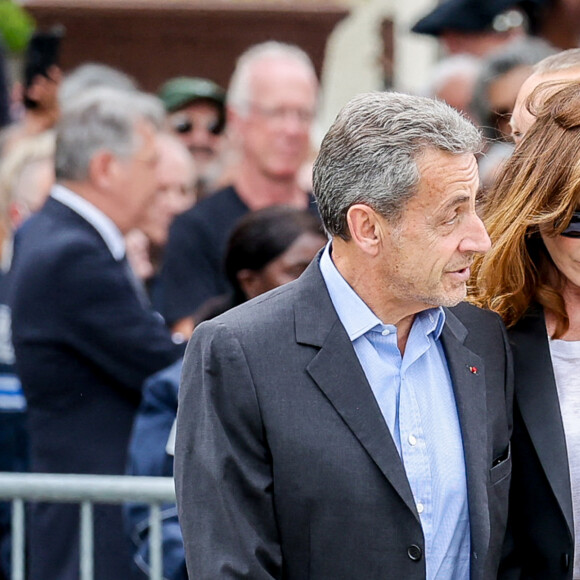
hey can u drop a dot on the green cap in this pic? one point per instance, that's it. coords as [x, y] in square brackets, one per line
[181, 91]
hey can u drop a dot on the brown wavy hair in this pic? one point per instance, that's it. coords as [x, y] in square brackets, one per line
[538, 190]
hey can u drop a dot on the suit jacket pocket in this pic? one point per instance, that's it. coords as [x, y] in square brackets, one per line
[502, 466]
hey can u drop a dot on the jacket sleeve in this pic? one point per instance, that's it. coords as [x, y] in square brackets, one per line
[223, 466]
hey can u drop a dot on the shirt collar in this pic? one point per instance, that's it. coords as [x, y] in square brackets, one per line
[356, 317]
[100, 221]
[433, 321]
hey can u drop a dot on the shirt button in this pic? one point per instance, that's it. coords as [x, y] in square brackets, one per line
[414, 552]
[386, 332]
[412, 439]
[420, 507]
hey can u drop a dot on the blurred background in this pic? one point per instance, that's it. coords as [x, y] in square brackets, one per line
[356, 45]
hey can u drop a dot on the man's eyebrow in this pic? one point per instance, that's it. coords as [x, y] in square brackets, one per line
[457, 200]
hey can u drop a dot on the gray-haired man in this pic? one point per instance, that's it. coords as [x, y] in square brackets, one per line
[355, 423]
[83, 338]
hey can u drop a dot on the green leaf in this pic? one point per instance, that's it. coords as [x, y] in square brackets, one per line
[16, 26]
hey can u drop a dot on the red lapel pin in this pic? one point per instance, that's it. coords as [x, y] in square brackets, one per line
[472, 369]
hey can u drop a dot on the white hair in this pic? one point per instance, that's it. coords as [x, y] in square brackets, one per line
[239, 94]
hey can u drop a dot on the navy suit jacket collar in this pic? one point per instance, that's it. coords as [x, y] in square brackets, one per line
[89, 217]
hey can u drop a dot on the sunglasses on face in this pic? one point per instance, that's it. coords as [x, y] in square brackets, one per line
[573, 228]
[185, 126]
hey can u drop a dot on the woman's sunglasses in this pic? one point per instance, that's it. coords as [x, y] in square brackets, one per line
[573, 228]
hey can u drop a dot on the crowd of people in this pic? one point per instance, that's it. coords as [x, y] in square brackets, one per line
[92, 251]
[360, 358]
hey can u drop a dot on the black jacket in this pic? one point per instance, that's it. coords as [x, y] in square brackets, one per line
[540, 542]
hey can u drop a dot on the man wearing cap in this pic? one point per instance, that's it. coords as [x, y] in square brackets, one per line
[196, 114]
[473, 26]
[271, 105]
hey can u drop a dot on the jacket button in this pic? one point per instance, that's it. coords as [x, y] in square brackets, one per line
[414, 552]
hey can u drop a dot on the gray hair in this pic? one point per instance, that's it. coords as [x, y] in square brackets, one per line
[369, 154]
[239, 94]
[567, 59]
[104, 118]
[522, 52]
[91, 75]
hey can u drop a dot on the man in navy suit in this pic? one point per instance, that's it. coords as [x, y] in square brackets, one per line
[84, 336]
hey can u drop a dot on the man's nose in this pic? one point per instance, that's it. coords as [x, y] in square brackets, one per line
[477, 239]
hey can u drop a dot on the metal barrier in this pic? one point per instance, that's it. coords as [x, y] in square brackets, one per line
[85, 490]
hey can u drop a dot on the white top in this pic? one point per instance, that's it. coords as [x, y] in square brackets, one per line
[566, 362]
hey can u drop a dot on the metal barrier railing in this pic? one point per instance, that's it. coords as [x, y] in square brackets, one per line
[85, 490]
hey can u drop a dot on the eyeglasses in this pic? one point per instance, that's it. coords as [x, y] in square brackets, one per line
[185, 126]
[279, 114]
[573, 228]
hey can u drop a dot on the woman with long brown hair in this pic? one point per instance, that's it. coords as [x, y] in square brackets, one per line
[531, 277]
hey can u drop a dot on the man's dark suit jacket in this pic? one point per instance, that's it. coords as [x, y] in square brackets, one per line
[540, 543]
[84, 345]
[285, 467]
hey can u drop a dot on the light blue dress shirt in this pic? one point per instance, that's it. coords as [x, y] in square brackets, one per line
[415, 396]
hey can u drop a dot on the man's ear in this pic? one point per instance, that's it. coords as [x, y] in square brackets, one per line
[365, 228]
[103, 169]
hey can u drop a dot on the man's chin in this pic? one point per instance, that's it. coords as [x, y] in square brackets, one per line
[450, 297]
[454, 298]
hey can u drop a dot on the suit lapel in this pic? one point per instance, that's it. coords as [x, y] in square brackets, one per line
[349, 392]
[338, 373]
[537, 398]
[468, 377]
